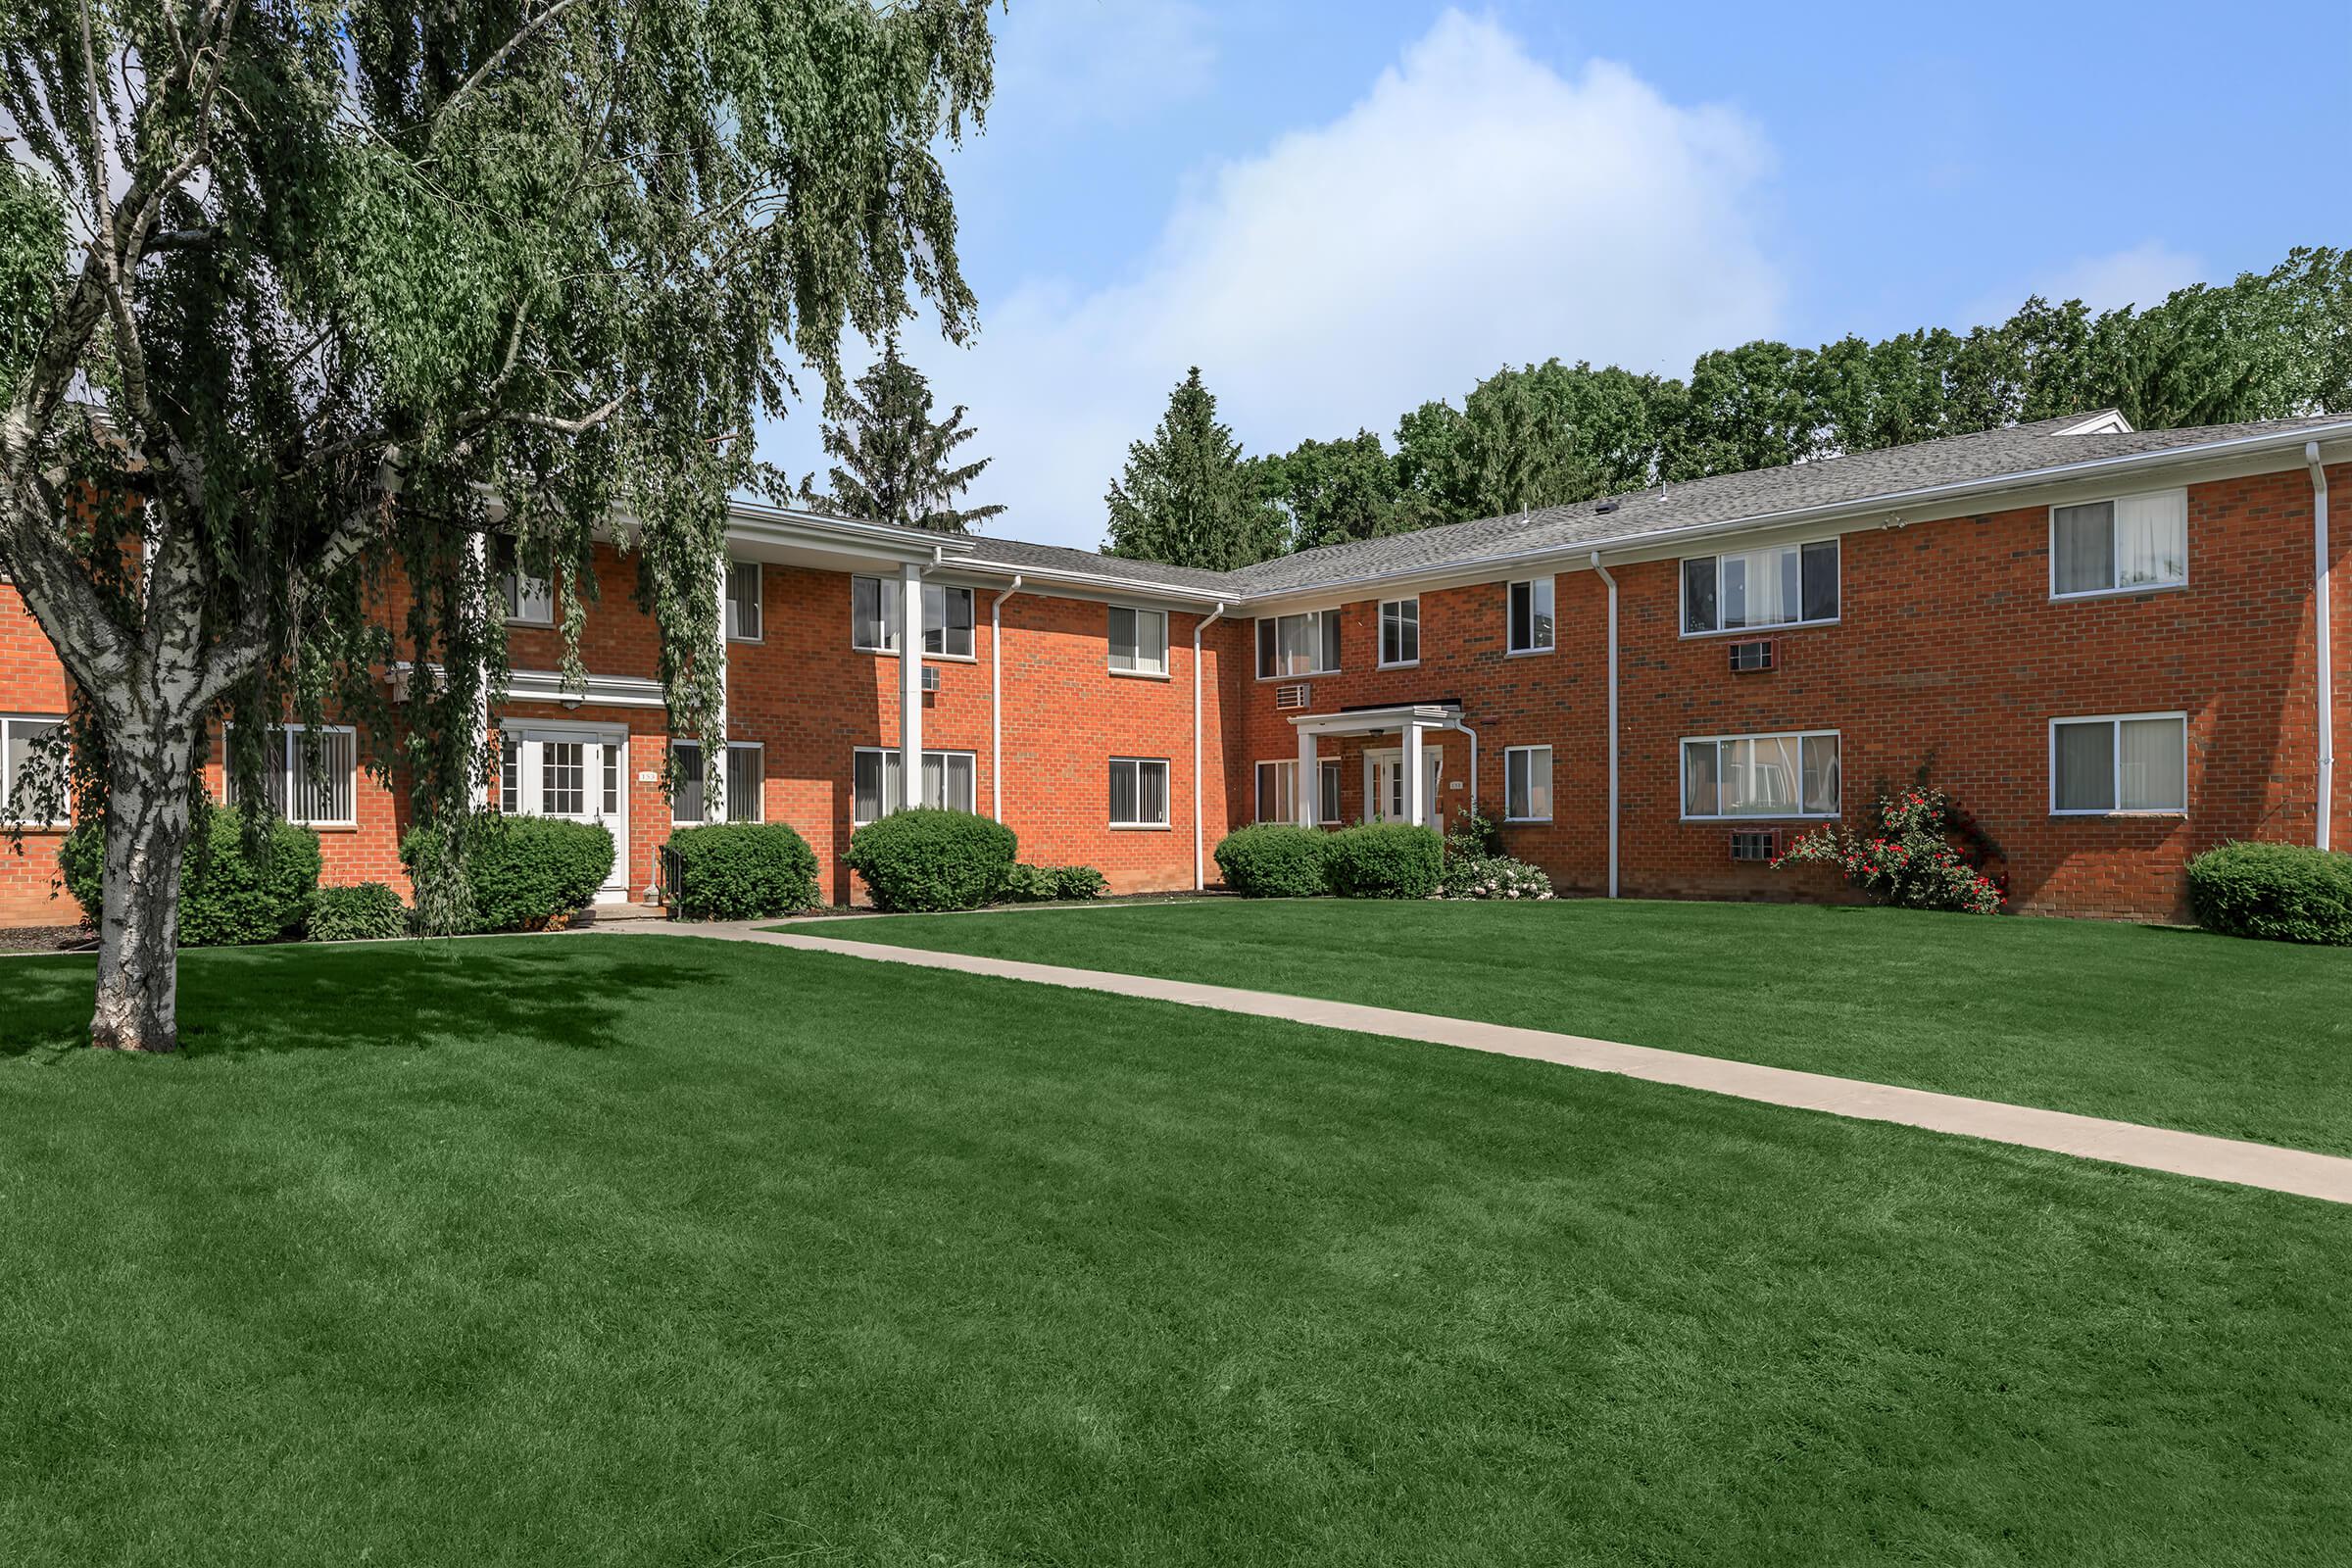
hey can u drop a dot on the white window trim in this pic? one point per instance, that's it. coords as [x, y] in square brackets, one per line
[1168, 795]
[1551, 759]
[1553, 647]
[2050, 536]
[1327, 812]
[1682, 794]
[7, 784]
[890, 586]
[1379, 632]
[287, 732]
[677, 741]
[758, 598]
[1681, 606]
[1165, 656]
[892, 751]
[2115, 721]
[511, 587]
[1300, 674]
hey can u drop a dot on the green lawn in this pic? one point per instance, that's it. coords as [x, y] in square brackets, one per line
[646, 1251]
[2173, 1027]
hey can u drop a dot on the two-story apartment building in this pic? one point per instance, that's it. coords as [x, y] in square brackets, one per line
[2115, 648]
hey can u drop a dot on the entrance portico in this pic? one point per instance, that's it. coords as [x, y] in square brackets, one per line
[1413, 799]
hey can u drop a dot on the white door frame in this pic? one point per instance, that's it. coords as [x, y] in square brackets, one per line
[1433, 758]
[530, 735]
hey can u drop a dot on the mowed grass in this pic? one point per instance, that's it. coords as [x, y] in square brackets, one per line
[648, 1251]
[2171, 1027]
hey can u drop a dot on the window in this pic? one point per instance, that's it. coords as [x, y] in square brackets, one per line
[743, 602]
[1139, 792]
[563, 778]
[874, 617]
[1526, 784]
[509, 775]
[1277, 786]
[530, 597]
[1139, 640]
[17, 739]
[1761, 775]
[319, 795]
[746, 771]
[2120, 546]
[1531, 617]
[1305, 644]
[874, 783]
[1400, 632]
[1785, 585]
[2127, 762]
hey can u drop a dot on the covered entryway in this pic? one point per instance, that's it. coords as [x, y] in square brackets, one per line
[1384, 785]
[575, 771]
[1405, 780]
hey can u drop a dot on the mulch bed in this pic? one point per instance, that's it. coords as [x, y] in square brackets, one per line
[45, 939]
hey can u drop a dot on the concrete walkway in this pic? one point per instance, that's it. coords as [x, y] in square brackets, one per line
[2121, 1143]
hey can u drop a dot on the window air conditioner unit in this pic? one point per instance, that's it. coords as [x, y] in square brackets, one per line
[1758, 653]
[1755, 845]
[1292, 696]
[930, 677]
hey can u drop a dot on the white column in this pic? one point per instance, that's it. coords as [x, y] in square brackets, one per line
[911, 684]
[1415, 783]
[1308, 774]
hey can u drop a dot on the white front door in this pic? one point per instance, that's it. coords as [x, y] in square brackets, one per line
[1384, 784]
[576, 771]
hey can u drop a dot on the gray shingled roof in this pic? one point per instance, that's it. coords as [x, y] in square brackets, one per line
[1019, 554]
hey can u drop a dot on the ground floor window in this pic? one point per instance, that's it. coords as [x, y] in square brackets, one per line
[1278, 791]
[2119, 763]
[1761, 775]
[1139, 792]
[17, 739]
[874, 791]
[1526, 784]
[316, 786]
[746, 772]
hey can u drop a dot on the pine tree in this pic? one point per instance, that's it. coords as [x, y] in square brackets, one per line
[894, 456]
[1186, 497]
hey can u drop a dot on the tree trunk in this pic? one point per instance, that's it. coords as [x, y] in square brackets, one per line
[147, 823]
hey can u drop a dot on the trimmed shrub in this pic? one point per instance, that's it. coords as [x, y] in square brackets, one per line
[228, 895]
[1493, 876]
[2276, 892]
[1079, 882]
[1276, 860]
[743, 871]
[1387, 861]
[367, 912]
[1038, 884]
[526, 873]
[932, 859]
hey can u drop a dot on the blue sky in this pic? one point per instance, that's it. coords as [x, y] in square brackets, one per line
[1339, 210]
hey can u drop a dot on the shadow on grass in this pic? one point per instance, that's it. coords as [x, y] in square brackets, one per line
[565, 991]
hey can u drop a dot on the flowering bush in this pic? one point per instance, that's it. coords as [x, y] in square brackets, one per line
[1493, 876]
[1910, 862]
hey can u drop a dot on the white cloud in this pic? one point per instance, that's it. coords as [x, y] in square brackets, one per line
[1476, 207]
[2140, 276]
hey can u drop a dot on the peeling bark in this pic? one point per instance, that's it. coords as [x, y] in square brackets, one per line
[147, 826]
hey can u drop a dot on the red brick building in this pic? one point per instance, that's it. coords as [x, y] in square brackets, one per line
[2115, 648]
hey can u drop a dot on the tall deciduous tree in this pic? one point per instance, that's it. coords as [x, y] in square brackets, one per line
[1332, 491]
[894, 456]
[1186, 497]
[312, 309]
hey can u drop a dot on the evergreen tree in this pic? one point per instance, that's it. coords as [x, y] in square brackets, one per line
[1186, 497]
[894, 456]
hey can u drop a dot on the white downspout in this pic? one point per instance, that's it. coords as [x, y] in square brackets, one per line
[910, 676]
[1473, 734]
[1612, 582]
[2326, 636]
[1200, 862]
[995, 697]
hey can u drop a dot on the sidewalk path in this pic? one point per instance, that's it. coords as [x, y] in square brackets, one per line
[2121, 1143]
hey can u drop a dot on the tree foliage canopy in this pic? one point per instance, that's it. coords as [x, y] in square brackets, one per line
[895, 458]
[1186, 497]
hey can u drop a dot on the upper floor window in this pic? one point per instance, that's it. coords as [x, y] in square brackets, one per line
[689, 804]
[1139, 792]
[314, 790]
[2127, 762]
[530, 597]
[1139, 640]
[1400, 632]
[874, 793]
[1307, 644]
[1761, 775]
[2120, 546]
[743, 602]
[1783, 586]
[17, 739]
[1532, 629]
[874, 617]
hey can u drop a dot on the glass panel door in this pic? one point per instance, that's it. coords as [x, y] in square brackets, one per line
[577, 773]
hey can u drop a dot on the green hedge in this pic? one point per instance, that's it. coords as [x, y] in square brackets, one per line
[1038, 884]
[1276, 860]
[368, 912]
[1387, 861]
[929, 859]
[526, 873]
[743, 871]
[227, 896]
[2278, 892]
